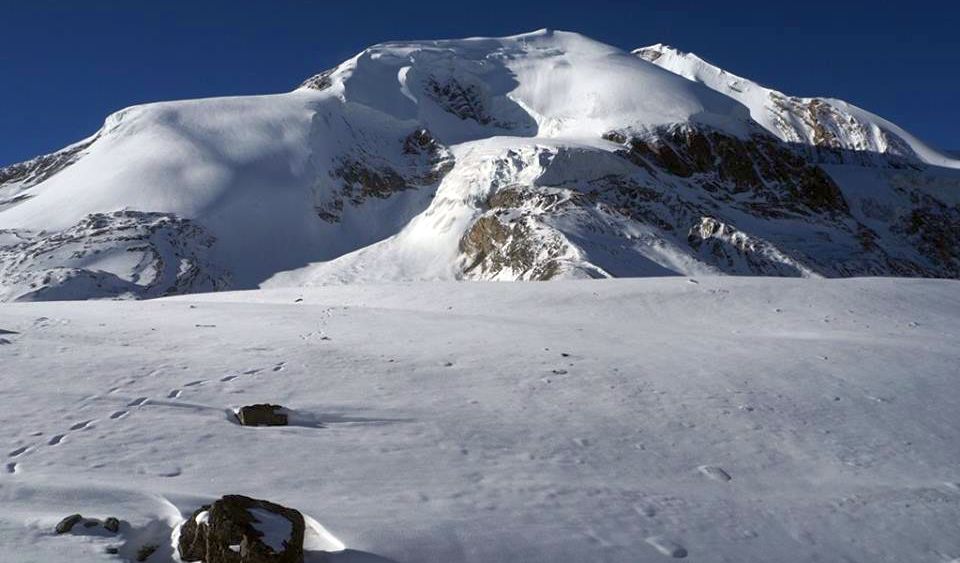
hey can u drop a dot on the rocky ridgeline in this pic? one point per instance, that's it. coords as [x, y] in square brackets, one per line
[154, 254]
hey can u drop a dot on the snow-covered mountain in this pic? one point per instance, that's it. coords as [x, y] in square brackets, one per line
[538, 156]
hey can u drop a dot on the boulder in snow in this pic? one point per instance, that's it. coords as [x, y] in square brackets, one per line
[68, 523]
[239, 529]
[262, 415]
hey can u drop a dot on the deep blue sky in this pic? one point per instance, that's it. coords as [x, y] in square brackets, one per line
[66, 65]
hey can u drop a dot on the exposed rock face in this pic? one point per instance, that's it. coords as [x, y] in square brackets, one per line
[160, 254]
[17, 179]
[262, 415]
[34, 171]
[421, 161]
[733, 250]
[463, 100]
[492, 247]
[239, 529]
[694, 197]
[320, 81]
[769, 171]
[818, 122]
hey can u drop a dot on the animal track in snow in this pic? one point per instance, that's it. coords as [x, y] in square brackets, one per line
[667, 547]
[229, 378]
[279, 366]
[174, 394]
[118, 414]
[137, 402]
[11, 467]
[195, 383]
[56, 439]
[714, 472]
[19, 451]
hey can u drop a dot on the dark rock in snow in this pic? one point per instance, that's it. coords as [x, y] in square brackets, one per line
[68, 523]
[112, 524]
[239, 529]
[262, 415]
[146, 551]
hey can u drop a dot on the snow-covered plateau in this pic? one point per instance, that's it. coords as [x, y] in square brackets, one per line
[718, 418]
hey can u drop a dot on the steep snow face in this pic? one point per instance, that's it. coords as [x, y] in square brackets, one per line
[822, 122]
[546, 84]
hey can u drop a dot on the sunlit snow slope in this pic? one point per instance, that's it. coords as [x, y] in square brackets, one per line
[539, 156]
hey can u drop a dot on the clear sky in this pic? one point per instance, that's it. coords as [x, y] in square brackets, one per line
[64, 66]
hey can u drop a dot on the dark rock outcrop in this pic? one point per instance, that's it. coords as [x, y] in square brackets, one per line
[112, 524]
[34, 171]
[262, 415]
[761, 167]
[239, 529]
[67, 524]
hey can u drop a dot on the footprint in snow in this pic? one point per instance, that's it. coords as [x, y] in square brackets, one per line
[649, 510]
[118, 414]
[667, 547]
[19, 451]
[229, 378]
[714, 472]
[11, 467]
[195, 383]
[56, 439]
[81, 425]
[139, 401]
[174, 394]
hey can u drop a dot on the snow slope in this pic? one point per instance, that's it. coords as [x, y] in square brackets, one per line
[441, 422]
[816, 121]
[538, 156]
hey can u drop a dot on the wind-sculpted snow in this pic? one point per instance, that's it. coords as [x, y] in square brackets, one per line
[540, 156]
[750, 420]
